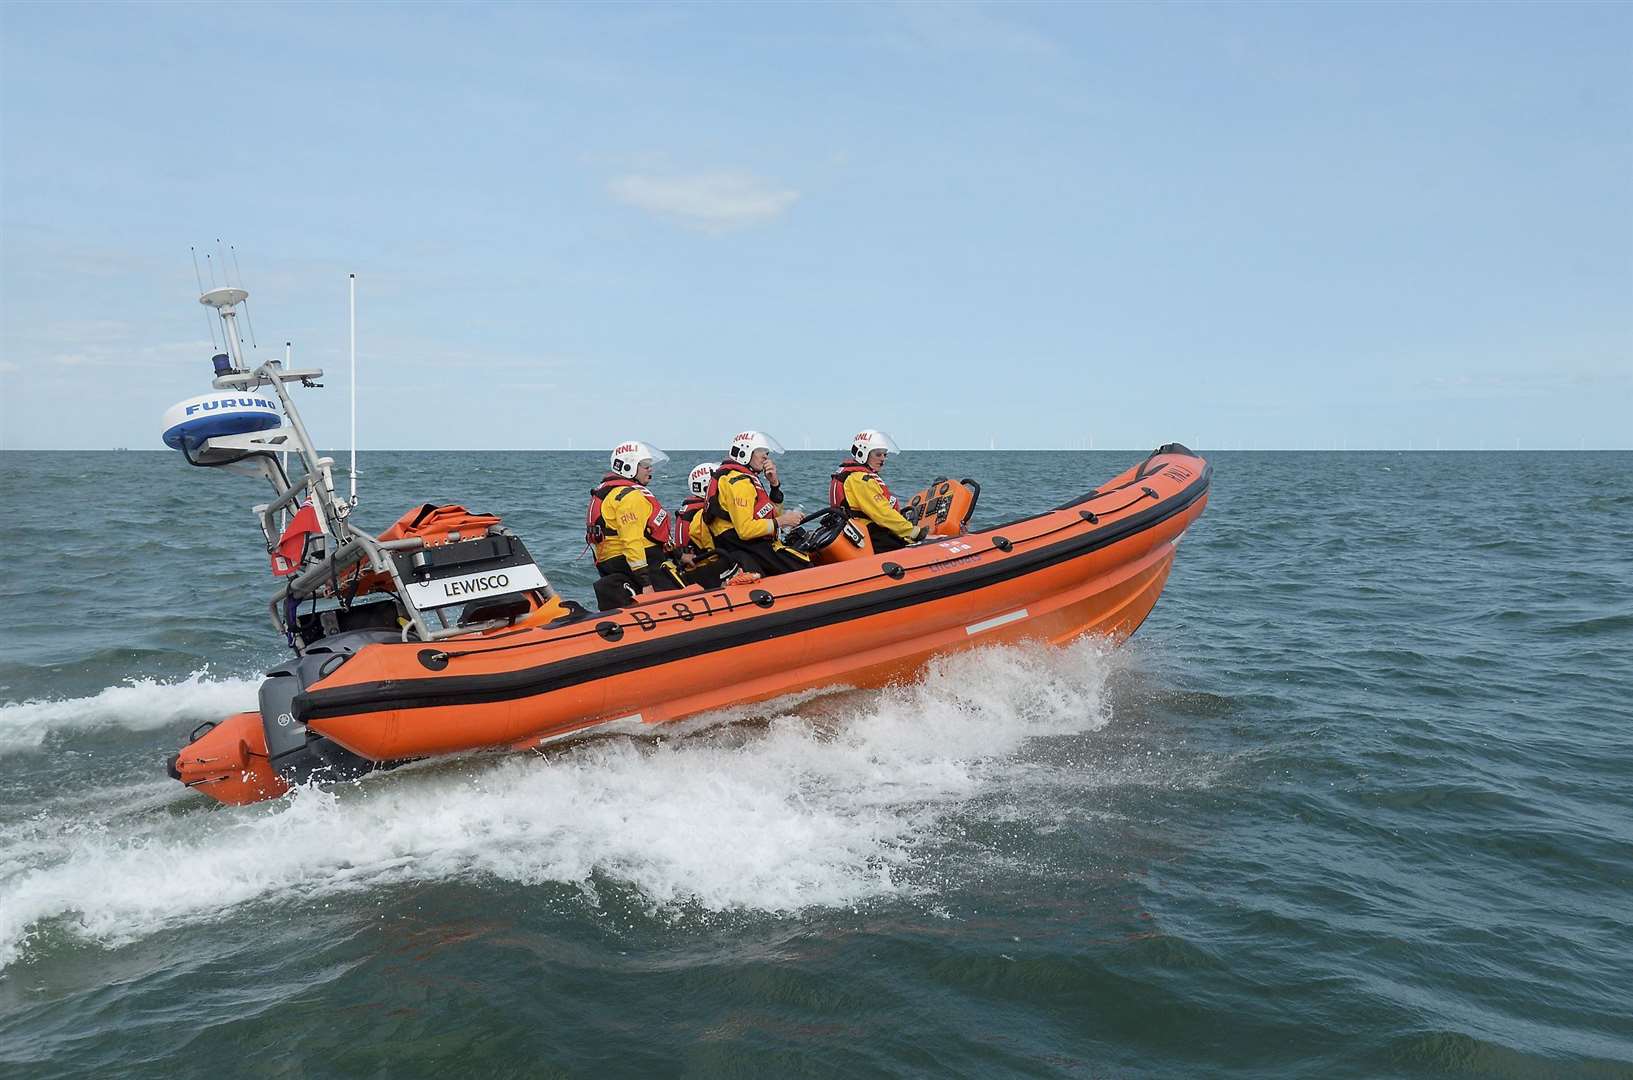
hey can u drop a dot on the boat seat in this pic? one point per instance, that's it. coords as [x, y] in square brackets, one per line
[509, 608]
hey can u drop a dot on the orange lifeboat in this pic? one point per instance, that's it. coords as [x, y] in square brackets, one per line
[1093, 565]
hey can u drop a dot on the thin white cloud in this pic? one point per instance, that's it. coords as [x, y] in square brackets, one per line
[960, 27]
[163, 357]
[715, 201]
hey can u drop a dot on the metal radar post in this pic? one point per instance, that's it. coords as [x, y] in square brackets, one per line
[241, 426]
[348, 548]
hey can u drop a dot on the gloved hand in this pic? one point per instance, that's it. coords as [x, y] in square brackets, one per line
[919, 533]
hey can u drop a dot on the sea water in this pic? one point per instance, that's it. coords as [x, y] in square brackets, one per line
[1357, 800]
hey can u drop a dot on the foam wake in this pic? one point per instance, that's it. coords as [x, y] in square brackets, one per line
[827, 805]
[138, 705]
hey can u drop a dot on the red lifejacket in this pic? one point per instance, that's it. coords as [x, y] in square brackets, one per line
[683, 519]
[595, 526]
[762, 498]
[836, 484]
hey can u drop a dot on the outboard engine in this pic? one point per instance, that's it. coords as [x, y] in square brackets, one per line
[298, 755]
[258, 755]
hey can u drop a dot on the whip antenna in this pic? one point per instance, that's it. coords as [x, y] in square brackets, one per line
[198, 277]
[248, 319]
[353, 288]
[283, 463]
[227, 280]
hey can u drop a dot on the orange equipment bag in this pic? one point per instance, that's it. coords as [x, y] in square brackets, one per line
[435, 525]
[440, 525]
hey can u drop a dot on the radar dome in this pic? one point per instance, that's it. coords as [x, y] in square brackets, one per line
[187, 424]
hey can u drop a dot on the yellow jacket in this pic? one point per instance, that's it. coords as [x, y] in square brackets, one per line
[865, 494]
[633, 522]
[752, 513]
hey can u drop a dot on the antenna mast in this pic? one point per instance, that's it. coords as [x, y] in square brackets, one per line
[248, 318]
[353, 284]
[224, 299]
[283, 459]
[208, 325]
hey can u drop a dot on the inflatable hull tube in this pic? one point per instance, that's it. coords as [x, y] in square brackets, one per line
[1095, 565]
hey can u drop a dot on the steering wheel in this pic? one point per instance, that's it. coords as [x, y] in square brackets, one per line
[817, 529]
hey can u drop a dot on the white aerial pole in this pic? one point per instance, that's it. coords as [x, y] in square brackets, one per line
[354, 387]
[283, 515]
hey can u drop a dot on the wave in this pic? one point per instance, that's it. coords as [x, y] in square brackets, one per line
[823, 806]
[1601, 625]
[137, 705]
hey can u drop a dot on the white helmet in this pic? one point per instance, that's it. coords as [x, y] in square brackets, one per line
[627, 457]
[864, 443]
[698, 482]
[744, 443]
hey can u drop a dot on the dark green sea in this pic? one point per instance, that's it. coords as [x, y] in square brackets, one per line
[1356, 801]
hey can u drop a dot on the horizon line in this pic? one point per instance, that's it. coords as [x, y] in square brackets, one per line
[916, 450]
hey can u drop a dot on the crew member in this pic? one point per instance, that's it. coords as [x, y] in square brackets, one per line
[745, 508]
[700, 563]
[858, 487]
[627, 528]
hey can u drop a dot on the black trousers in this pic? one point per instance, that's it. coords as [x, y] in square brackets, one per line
[711, 570]
[883, 539]
[761, 557]
[620, 583]
[615, 589]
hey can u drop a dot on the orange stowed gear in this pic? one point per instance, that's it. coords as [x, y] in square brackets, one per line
[863, 492]
[433, 524]
[440, 525]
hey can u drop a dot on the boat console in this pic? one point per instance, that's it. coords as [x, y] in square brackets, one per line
[833, 534]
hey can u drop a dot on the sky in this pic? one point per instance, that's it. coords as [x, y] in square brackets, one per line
[1018, 225]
